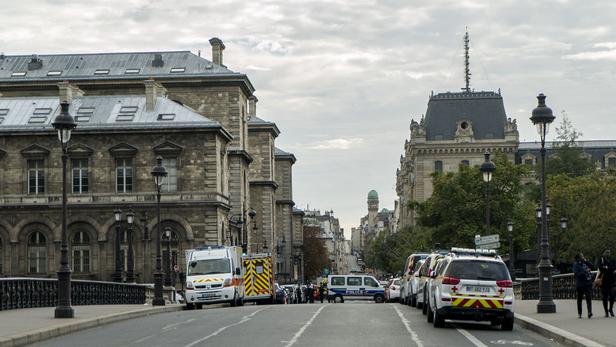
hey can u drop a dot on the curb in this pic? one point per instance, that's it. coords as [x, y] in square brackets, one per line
[557, 334]
[44, 334]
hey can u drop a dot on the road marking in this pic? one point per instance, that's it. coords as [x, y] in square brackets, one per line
[170, 326]
[471, 338]
[243, 320]
[143, 339]
[408, 326]
[514, 342]
[303, 328]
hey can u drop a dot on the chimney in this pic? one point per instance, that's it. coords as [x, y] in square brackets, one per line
[153, 90]
[217, 48]
[35, 63]
[252, 106]
[68, 91]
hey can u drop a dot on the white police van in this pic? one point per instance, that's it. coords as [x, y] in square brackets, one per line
[356, 286]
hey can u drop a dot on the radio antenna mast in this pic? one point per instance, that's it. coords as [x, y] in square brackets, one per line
[467, 70]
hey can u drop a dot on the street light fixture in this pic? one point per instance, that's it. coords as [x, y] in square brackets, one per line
[159, 173]
[563, 223]
[64, 125]
[241, 223]
[511, 252]
[130, 262]
[542, 117]
[117, 274]
[487, 168]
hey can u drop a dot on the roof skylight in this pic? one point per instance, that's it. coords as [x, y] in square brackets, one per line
[85, 110]
[19, 74]
[132, 71]
[102, 72]
[37, 119]
[42, 111]
[177, 69]
[54, 73]
[82, 118]
[126, 113]
[166, 116]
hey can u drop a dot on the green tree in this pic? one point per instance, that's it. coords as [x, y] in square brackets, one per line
[388, 251]
[315, 253]
[566, 157]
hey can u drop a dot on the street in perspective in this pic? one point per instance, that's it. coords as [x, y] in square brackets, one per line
[416, 174]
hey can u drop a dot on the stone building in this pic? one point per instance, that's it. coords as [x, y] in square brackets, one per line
[131, 107]
[333, 237]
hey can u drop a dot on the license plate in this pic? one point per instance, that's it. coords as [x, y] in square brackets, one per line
[478, 289]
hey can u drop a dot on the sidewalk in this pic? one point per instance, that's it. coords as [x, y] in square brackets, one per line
[564, 325]
[24, 326]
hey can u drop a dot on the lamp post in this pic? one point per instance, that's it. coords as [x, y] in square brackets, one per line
[130, 261]
[511, 252]
[159, 173]
[542, 117]
[487, 168]
[64, 125]
[117, 274]
[563, 223]
[167, 262]
[241, 223]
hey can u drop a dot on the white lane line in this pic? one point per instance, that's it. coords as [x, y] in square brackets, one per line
[406, 322]
[143, 339]
[243, 320]
[475, 341]
[301, 331]
[170, 326]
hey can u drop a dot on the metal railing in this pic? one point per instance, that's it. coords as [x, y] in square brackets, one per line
[21, 292]
[563, 287]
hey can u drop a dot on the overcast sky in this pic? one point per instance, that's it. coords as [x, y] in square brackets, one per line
[343, 78]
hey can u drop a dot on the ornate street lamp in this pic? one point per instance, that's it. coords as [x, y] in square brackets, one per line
[511, 253]
[130, 262]
[159, 173]
[542, 117]
[167, 261]
[563, 223]
[64, 125]
[117, 274]
[487, 168]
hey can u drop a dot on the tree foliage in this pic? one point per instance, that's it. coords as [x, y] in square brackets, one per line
[315, 253]
[388, 251]
[566, 157]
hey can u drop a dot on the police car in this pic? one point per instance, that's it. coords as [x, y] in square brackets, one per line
[471, 285]
[356, 286]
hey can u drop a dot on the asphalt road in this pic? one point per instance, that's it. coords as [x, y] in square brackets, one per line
[348, 324]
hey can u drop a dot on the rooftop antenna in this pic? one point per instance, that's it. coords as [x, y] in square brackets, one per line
[467, 71]
[199, 52]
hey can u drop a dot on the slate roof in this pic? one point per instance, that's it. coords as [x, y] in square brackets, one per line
[119, 65]
[255, 122]
[280, 154]
[98, 112]
[484, 110]
[597, 149]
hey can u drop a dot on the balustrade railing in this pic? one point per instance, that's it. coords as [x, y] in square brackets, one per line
[563, 287]
[41, 292]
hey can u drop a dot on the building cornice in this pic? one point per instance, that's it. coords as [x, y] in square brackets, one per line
[265, 183]
[240, 153]
[285, 202]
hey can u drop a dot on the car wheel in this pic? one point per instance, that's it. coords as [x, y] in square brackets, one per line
[507, 324]
[199, 306]
[413, 301]
[424, 306]
[233, 302]
[430, 313]
[439, 320]
[190, 306]
[379, 299]
[338, 299]
[240, 302]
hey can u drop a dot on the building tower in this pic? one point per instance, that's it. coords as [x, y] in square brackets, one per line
[373, 209]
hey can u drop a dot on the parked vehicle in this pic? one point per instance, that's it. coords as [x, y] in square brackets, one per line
[259, 278]
[392, 292]
[414, 283]
[424, 275]
[356, 286]
[410, 263]
[282, 295]
[214, 275]
[472, 286]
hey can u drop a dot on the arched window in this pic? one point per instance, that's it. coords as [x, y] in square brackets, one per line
[37, 253]
[81, 252]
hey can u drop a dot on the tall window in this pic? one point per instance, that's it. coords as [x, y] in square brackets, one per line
[124, 175]
[438, 166]
[36, 177]
[37, 253]
[611, 163]
[528, 162]
[171, 182]
[464, 163]
[80, 176]
[81, 252]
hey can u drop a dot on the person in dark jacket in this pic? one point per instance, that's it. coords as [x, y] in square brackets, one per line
[607, 266]
[583, 283]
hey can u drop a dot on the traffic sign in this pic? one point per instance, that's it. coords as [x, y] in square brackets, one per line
[494, 245]
[482, 240]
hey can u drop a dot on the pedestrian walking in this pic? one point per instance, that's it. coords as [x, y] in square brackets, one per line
[607, 267]
[298, 294]
[583, 283]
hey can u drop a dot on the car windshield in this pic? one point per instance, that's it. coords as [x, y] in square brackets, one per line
[478, 270]
[209, 266]
[397, 282]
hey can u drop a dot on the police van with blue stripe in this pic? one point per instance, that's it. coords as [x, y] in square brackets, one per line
[354, 287]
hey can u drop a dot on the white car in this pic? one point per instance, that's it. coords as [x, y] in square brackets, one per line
[409, 265]
[414, 284]
[392, 292]
[472, 287]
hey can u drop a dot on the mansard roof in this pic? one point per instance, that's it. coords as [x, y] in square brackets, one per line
[485, 111]
[280, 154]
[99, 112]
